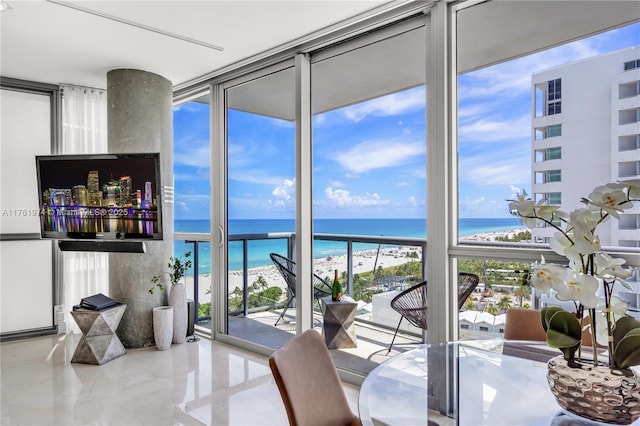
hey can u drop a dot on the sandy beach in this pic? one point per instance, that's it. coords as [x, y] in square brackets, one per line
[363, 261]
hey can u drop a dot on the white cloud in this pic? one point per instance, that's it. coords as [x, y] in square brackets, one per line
[337, 184]
[197, 176]
[413, 202]
[497, 174]
[319, 119]
[195, 204]
[487, 130]
[278, 122]
[195, 157]
[372, 155]
[402, 184]
[511, 166]
[341, 198]
[284, 192]
[472, 203]
[395, 103]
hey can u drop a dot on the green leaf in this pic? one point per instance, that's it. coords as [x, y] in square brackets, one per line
[623, 326]
[560, 340]
[564, 331]
[546, 315]
[627, 351]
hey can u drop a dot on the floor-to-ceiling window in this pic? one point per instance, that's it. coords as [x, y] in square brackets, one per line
[261, 202]
[369, 183]
[192, 203]
[368, 112]
[537, 113]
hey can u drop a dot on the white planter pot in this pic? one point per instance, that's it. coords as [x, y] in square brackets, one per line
[163, 327]
[178, 299]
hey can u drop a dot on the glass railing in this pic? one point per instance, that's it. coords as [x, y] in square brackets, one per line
[369, 265]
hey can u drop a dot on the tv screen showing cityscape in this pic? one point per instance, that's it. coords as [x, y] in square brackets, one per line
[103, 196]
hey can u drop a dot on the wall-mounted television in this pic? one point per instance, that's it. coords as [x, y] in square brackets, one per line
[111, 197]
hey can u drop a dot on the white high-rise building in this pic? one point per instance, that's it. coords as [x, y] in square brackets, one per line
[585, 133]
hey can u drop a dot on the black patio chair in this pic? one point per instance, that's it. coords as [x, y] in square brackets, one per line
[287, 268]
[412, 302]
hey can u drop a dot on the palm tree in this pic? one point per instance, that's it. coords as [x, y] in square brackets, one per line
[522, 292]
[491, 310]
[237, 292]
[261, 282]
[470, 306]
[504, 303]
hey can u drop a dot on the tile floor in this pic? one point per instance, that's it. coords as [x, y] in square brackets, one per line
[201, 383]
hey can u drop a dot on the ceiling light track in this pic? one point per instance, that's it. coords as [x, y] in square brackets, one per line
[136, 24]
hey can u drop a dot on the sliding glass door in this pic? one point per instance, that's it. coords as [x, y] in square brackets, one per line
[260, 141]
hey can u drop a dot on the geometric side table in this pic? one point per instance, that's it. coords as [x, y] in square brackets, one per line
[99, 343]
[338, 323]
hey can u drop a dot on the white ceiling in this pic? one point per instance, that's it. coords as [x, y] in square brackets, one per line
[51, 43]
[47, 42]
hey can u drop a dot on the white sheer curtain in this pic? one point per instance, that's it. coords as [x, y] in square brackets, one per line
[84, 131]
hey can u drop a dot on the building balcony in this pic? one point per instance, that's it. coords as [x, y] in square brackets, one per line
[372, 278]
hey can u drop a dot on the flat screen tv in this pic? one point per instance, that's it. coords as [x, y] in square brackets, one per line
[107, 197]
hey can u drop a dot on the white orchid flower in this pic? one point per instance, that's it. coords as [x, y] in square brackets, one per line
[530, 212]
[561, 244]
[609, 267]
[632, 186]
[586, 244]
[579, 287]
[546, 212]
[526, 209]
[584, 220]
[547, 276]
[618, 308]
[602, 330]
[612, 201]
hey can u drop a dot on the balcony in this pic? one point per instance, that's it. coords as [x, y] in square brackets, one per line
[374, 270]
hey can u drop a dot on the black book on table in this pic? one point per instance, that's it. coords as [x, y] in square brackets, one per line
[97, 302]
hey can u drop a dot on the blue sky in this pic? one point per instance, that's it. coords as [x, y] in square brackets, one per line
[369, 158]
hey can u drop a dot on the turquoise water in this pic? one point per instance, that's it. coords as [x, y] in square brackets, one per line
[258, 251]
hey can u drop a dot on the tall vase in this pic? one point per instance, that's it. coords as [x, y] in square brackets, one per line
[178, 299]
[163, 327]
[597, 393]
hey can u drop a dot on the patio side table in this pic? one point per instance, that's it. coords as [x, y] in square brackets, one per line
[99, 343]
[338, 327]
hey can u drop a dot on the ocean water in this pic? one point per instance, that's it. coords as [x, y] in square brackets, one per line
[258, 251]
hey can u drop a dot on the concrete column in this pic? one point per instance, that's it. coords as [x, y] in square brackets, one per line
[140, 119]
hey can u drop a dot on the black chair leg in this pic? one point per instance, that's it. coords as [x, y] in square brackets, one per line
[284, 311]
[394, 335]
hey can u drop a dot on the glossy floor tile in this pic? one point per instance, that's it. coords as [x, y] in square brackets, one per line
[201, 383]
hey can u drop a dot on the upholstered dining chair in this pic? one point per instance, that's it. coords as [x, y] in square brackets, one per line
[309, 383]
[412, 302]
[524, 324]
[287, 269]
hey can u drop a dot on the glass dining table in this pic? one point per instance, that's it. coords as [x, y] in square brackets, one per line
[480, 382]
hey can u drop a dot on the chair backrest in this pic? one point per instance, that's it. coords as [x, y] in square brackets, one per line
[466, 284]
[287, 268]
[309, 383]
[412, 304]
[524, 324]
